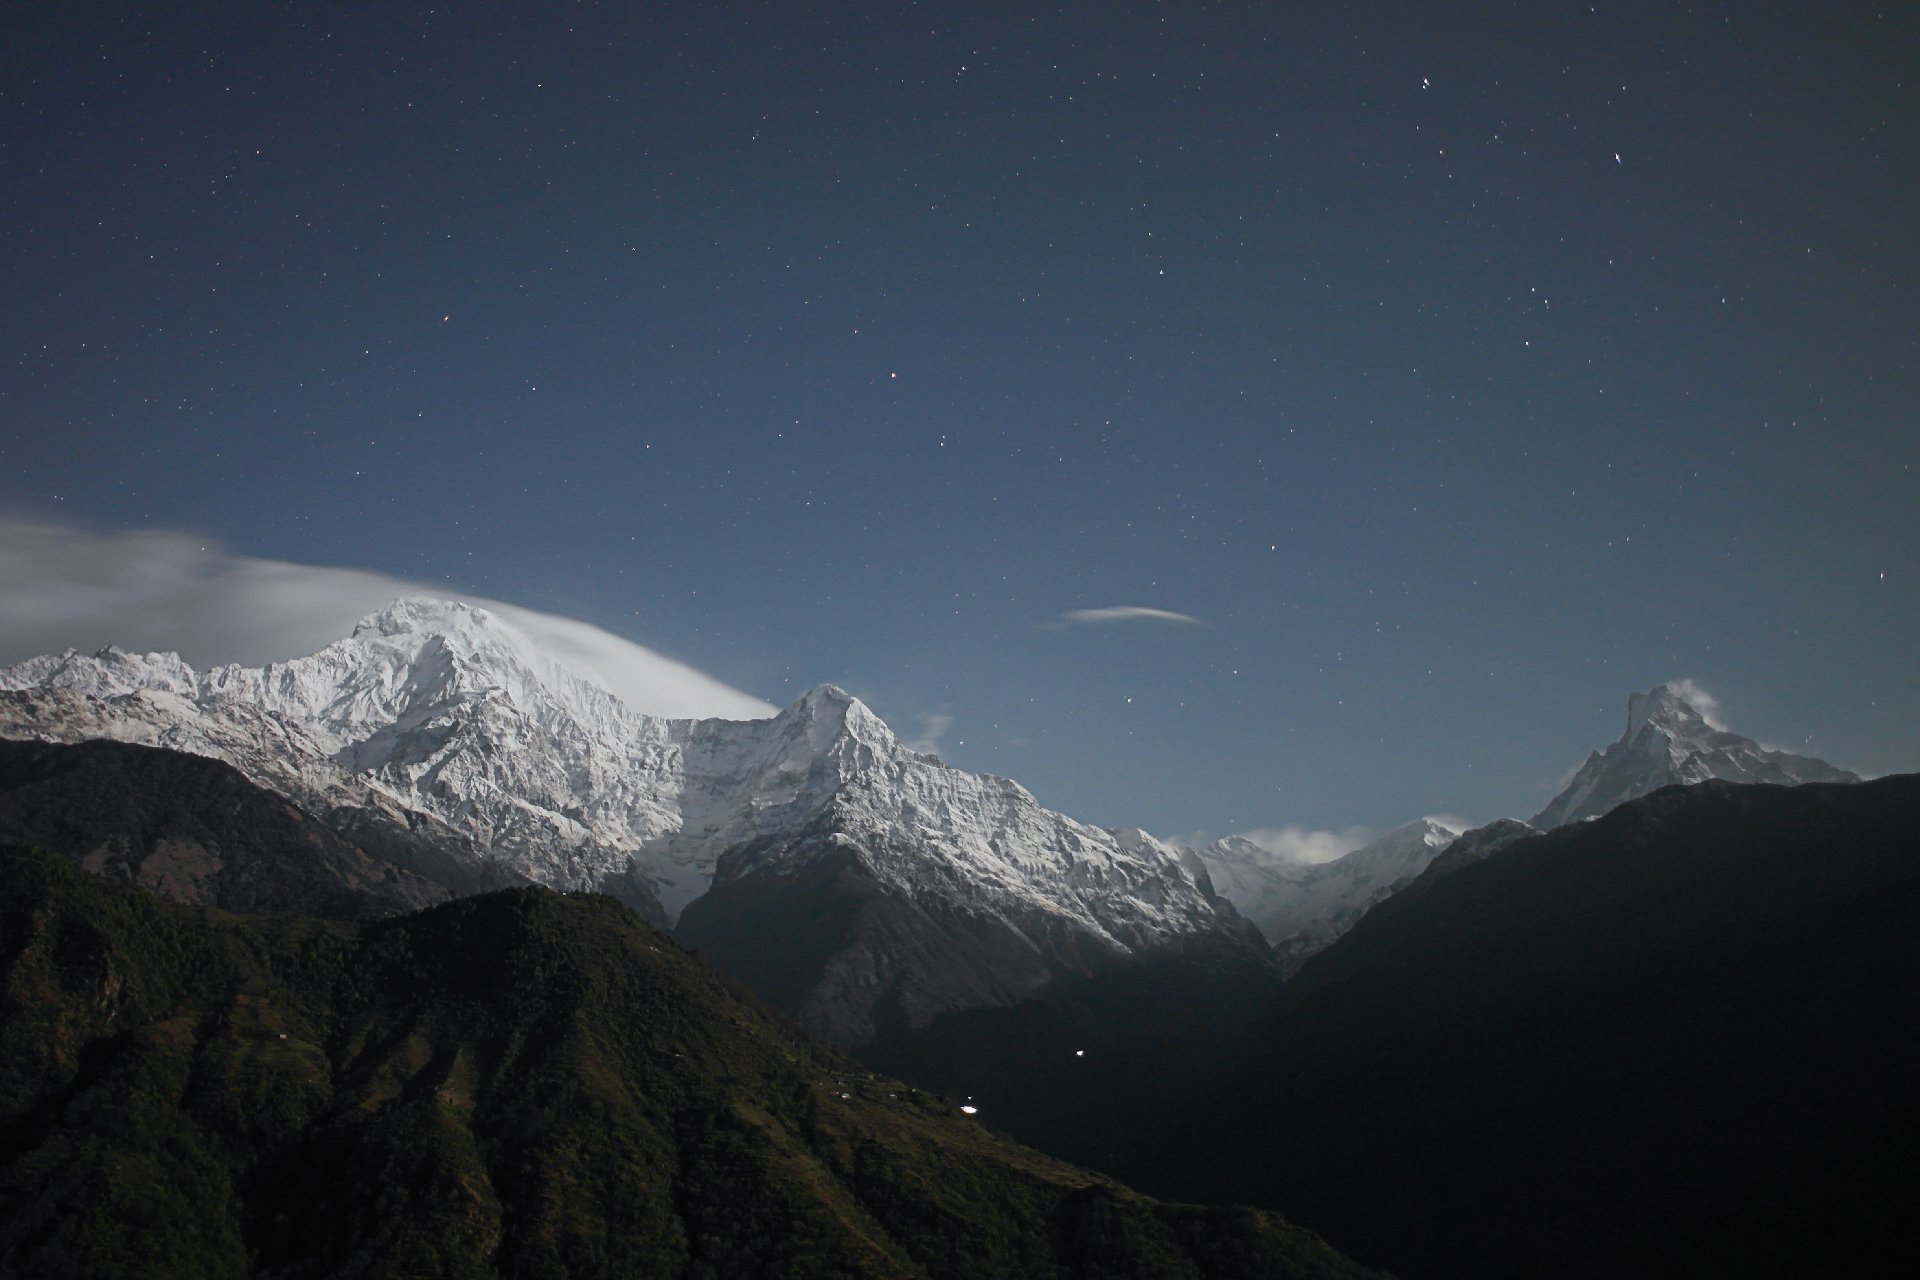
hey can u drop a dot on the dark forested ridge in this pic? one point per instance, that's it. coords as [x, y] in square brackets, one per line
[197, 831]
[1679, 1040]
[518, 1084]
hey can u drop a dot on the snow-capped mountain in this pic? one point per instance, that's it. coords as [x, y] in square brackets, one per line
[1303, 907]
[1669, 740]
[441, 716]
[1256, 880]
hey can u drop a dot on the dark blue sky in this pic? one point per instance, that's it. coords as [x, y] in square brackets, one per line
[1460, 368]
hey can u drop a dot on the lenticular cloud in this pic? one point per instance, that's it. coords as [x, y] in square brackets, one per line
[165, 590]
[1126, 613]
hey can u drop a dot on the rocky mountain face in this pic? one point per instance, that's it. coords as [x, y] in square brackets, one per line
[516, 1084]
[1669, 740]
[939, 889]
[1302, 907]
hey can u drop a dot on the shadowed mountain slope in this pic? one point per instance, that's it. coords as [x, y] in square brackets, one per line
[518, 1084]
[196, 831]
[1682, 1039]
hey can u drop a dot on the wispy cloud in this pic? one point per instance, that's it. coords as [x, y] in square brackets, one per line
[1299, 844]
[63, 587]
[933, 727]
[1128, 613]
[1700, 700]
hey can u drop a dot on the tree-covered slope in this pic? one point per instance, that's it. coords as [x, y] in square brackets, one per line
[195, 830]
[520, 1084]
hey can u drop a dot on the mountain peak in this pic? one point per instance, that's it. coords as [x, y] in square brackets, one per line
[827, 712]
[1666, 708]
[108, 672]
[1688, 745]
[1433, 828]
[827, 696]
[1302, 907]
[411, 615]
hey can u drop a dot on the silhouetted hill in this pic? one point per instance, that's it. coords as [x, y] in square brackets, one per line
[518, 1084]
[1680, 1040]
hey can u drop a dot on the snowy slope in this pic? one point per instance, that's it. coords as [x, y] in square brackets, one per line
[444, 712]
[1668, 740]
[1303, 907]
[1260, 883]
[1476, 845]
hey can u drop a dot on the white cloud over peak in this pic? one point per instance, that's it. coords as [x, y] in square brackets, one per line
[1700, 700]
[1127, 613]
[1298, 844]
[933, 727]
[62, 587]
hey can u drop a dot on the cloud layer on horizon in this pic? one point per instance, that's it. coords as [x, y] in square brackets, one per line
[160, 590]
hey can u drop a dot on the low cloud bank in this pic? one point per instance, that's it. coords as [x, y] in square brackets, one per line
[1298, 844]
[161, 590]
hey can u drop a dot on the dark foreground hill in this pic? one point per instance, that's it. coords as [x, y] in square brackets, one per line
[1680, 1040]
[197, 831]
[519, 1084]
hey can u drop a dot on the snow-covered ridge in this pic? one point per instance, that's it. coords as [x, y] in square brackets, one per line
[443, 711]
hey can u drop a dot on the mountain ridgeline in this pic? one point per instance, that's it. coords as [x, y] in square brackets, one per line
[1682, 1039]
[1661, 1030]
[930, 890]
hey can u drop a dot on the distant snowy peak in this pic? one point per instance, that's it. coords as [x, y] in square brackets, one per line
[1669, 740]
[1668, 708]
[106, 673]
[1393, 852]
[1303, 907]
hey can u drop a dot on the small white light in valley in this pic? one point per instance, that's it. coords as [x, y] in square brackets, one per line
[1079, 1053]
[970, 1110]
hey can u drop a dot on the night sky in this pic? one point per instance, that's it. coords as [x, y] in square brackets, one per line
[1451, 371]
